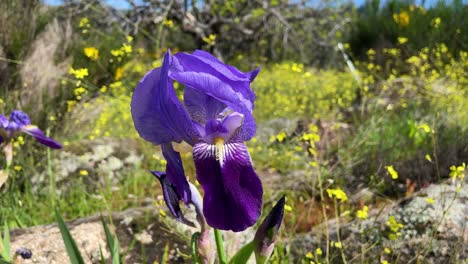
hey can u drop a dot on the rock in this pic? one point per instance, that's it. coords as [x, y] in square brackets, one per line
[104, 160]
[433, 230]
[143, 235]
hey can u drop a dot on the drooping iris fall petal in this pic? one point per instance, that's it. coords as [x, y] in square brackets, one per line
[171, 198]
[40, 137]
[233, 191]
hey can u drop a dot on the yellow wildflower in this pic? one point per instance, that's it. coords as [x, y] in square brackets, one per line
[119, 73]
[168, 23]
[457, 171]
[318, 252]
[392, 172]
[430, 200]
[338, 193]
[79, 73]
[210, 40]
[127, 48]
[428, 158]
[83, 172]
[362, 214]
[402, 40]
[309, 255]
[436, 22]
[402, 19]
[17, 168]
[92, 53]
[84, 22]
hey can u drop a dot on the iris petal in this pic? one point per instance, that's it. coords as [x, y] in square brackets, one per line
[40, 137]
[175, 172]
[171, 197]
[233, 191]
[3, 121]
[158, 115]
[201, 106]
[239, 82]
[220, 90]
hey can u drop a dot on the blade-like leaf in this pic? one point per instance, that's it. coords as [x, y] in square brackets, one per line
[103, 261]
[243, 255]
[70, 244]
[112, 243]
[6, 244]
[115, 252]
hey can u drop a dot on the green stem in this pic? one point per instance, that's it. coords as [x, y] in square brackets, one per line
[220, 246]
[194, 243]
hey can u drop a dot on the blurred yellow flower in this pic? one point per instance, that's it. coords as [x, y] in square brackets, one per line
[92, 53]
[119, 73]
[402, 40]
[402, 19]
[83, 172]
[392, 172]
[84, 22]
[79, 73]
[338, 193]
[210, 40]
[436, 22]
[362, 214]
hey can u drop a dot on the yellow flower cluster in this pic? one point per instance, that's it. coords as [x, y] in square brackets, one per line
[402, 19]
[394, 227]
[79, 73]
[362, 213]
[338, 194]
[458, 171]
[91, 52]
[124, 50]
[210, 40]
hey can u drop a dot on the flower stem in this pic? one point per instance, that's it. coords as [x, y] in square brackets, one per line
[220, 246]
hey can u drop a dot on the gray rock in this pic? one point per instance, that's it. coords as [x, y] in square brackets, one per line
[431, 232]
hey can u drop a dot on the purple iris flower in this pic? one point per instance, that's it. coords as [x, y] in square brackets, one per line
[19, 122]
[215, 118]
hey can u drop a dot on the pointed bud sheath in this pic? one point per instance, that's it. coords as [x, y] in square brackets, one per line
[265, 237]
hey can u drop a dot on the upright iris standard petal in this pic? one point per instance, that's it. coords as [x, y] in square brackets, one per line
[171, 197]
[40, 137]
[233, 191]
[202, 61]
[201, 106]
[175, 172]
[224, 93]
[158, 115]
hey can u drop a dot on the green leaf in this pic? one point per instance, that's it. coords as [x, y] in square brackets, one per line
[103, 261]
[243, 255]
[70, 244]
[112, 243]
[5, 246]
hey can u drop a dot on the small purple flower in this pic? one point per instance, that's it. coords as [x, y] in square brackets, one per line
[19, 122]
[215, 118]
[25, 253]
